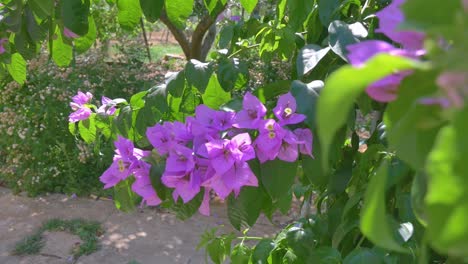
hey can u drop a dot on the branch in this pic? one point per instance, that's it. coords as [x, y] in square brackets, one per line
[198, 35]
[177, 33]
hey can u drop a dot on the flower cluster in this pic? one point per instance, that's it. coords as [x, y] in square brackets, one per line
[385, 90]
[82, 109]
[128, 160]
[211, 150]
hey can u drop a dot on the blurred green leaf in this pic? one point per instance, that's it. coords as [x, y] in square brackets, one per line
[214, 95]
[17, 68]
[249, 5]
[152, 9]
[178, 11]
[75, 15]
[129, 13]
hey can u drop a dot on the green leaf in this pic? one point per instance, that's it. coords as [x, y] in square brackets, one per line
[85, 42]
[225, 36]
[137, 100]
[420, 15]
[87, 129]
[187, 210]
[215, 249]
[262, 250]
[249, 5]
[299, 10]
[412, 127]
[152, 9]
[62, 53]
[214, 95]
[447, 194]
[362, 255]
[301, 241]
[198, 74]
[306, 98]
[178, 11]
[344, 86]
[244, 210]
[42, 8]
[17, 68]
[124, 122]
[278, 177]
[176, 84]
[309, 56]
[325, 255]
[375, 223]
[270, 91]
[328, 11]
[190, 100]
[124, 198]
[241, 254]
[129, 13]
[75, 15]
[232, 74]
[341, 35]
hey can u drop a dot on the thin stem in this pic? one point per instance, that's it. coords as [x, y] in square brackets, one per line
[249, 238]
[245, 48]
[360, 241]
[142, 24]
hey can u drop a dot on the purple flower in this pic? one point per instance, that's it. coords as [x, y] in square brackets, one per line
[360, 52]
[205, 205]
[117, 172]
[180, 160]
[289, 150]
[81, 111]
[225, 153]
[69, 34]
[126, 159]
[304, 137]
[107, 106]
[454, 87]
[252, 113]
[235, 18]
[164, 137]
[142, 185]
[385, 89]
[390, 18]
[237, 176]
[285, 110]
[269, 140]
[2, 48]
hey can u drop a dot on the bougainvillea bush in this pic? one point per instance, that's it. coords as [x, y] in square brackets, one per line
[400, 198]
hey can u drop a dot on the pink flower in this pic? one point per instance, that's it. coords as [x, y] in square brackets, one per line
[69, 34]
[81, 111]
[285, 110]
[2, 48]
[390, 18]
[252, 113]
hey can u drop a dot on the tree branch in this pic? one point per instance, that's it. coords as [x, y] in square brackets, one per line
[177, 33]
[198, 35]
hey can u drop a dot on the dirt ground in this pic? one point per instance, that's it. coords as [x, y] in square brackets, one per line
[146, 236]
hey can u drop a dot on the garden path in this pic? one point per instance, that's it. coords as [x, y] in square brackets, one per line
[147, 236]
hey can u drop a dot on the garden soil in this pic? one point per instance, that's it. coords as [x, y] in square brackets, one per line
[146, 236]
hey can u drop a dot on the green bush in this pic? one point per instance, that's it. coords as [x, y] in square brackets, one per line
[37, 152]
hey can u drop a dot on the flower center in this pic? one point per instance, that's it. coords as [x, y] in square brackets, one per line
[270, 127]
[121, 165]
[252, 113]
[271, 135]
[287, 111]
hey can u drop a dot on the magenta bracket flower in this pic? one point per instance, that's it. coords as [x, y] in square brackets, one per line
[2, 42]
[252, 113]
[69, 34]
[285, 110]
[269, 140]
[81, 111]
[305, 140]
[386, 89]
[108, 106]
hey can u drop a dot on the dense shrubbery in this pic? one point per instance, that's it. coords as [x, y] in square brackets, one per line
[37, 152]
